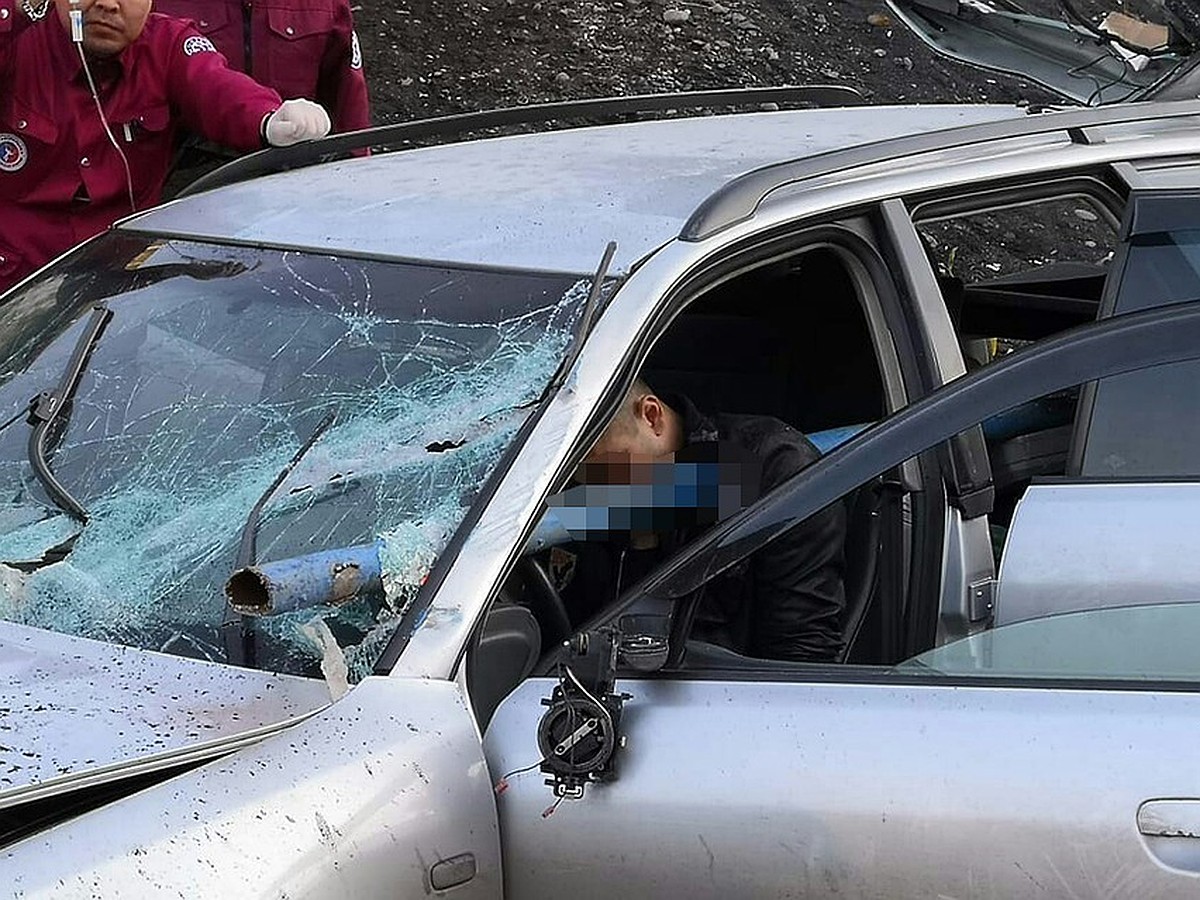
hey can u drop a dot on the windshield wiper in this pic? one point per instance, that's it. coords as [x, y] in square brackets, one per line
[586, 319]
[247, 552]
[47, 409]
[239, 644]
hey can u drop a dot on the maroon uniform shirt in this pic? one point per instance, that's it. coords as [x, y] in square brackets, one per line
[302, 48]
[61, 181]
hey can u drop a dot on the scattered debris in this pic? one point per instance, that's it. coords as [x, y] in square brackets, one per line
[433, 58]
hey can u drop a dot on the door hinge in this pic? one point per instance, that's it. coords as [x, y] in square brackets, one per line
[981, 600]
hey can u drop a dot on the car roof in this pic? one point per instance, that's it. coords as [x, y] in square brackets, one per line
[547, 201]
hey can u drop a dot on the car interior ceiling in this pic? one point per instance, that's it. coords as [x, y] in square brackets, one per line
[789, 340]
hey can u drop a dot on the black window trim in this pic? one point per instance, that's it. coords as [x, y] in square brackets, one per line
[1133, 224]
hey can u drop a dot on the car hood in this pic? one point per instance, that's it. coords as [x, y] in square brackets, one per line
[1088, 51]
[75, 712]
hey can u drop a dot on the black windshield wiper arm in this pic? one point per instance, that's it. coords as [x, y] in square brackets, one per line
[586, 320]
[238, 637]
[47, 408]
[247, 552]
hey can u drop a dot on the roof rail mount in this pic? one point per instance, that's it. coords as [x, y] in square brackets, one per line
[737, 200]
[308, 153]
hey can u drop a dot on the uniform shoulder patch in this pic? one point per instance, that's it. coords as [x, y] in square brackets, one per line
[197, 43]
[355, 51]
[13, 153]
[562, 567]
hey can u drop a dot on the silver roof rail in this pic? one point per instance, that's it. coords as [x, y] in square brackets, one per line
[280, 159]
[738, 199]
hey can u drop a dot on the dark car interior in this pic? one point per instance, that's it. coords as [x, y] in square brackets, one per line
[790, 339]
[1033, 440]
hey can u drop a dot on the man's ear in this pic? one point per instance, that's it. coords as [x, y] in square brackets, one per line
[652, 411]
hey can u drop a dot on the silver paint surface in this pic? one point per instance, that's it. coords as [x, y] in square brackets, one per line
[1089, 546]
[743, 789]
[857, 789]
[548, 201]
[70, 707]
[360, 800]
[518, 501]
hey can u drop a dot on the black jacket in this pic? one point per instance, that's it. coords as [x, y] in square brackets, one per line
[784, 601]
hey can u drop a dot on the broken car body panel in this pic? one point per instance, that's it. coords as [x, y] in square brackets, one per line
[386, 791]
[1114, 59]
[392, 775]
[78, 710]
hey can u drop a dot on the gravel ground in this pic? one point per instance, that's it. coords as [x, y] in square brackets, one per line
[433, 57]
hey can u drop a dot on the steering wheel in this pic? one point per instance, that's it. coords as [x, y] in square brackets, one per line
[545, 602]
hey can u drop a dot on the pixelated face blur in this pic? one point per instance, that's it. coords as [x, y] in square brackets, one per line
[109, 26]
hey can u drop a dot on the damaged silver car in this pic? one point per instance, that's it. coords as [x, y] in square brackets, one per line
[286, 514]
[1088, 51]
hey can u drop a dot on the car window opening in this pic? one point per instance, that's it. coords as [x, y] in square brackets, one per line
[788, 340]
[1011, 275]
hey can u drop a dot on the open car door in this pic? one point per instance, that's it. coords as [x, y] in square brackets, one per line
[1008, 763]
[1089, 51]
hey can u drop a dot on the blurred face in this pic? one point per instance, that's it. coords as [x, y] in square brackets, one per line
[109, 26]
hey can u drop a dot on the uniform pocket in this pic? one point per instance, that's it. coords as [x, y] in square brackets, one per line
[27, 122]
[154, 119]
[294, 24]
[207, 17]
[146, 138]
[12, 267]
[297, 43]
[27, 151]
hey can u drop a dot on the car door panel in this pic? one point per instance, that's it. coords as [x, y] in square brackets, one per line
[777, 789]
[382, 794]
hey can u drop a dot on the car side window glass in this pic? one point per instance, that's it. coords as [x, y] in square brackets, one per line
[1127, 643]
[1147, 424]
[1074, 557]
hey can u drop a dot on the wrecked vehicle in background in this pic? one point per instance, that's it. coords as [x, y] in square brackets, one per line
[284, 537]
[1088, 51]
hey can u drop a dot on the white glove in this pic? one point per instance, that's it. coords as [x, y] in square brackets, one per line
[295, 121]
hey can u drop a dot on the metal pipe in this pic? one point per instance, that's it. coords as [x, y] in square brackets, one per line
[327, 577]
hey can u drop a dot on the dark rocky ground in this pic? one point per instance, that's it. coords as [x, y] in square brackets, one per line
[433, 57]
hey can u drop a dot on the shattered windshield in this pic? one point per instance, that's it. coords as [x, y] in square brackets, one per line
[218, 364]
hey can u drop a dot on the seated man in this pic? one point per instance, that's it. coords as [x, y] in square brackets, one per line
[786, 600]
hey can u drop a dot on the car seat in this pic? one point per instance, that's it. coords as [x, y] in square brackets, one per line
[509, 647]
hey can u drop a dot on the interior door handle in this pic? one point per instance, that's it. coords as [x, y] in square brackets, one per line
[1170, 830]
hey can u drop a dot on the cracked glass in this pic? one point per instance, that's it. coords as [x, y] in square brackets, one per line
[217, 365]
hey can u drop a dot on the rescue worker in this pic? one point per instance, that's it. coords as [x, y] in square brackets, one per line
[786, 600]
[74, 158]
[302, 48]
